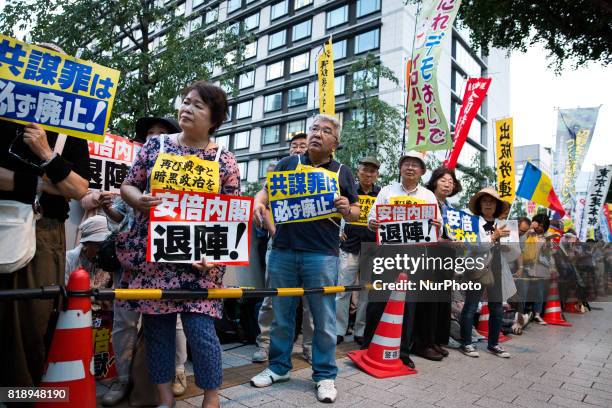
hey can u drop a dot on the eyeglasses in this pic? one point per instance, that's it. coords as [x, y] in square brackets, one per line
[18, 136]
[326, 130]
[411, 165]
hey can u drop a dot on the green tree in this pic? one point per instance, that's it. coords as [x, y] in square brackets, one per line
[571, 30]
[474, 178]
[375, 126]
[152, 72]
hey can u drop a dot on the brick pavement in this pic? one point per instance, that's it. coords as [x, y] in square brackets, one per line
[551, 366]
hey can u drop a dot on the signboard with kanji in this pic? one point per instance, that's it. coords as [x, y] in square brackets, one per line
[365, 205]
[63, 94]
[302, 195]
[596, 198]
[110, 161]
[428, 128]
[325, 69]
[174, 172]
[103, 354]
[506, 184]
[188, 226]
[461, 226]
[406, 223]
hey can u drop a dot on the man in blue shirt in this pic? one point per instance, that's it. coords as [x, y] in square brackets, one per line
[306, 254]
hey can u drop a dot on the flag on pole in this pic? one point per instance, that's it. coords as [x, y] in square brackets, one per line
[325, 66]
[537, 187]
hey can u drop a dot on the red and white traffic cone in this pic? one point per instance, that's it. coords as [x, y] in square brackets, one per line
[552, 308]
[70, 360]
[483, 324]
[382, 358]
[571, 304]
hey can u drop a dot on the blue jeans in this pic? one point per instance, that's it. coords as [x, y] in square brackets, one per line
[472, 297]
[160, 340]
[533, 290]
[289, 268]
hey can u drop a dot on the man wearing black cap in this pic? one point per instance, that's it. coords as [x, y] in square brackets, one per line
[356, 233]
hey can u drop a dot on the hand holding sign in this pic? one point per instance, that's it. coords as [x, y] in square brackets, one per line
[36, 138]
[342, 205]
[146, 202]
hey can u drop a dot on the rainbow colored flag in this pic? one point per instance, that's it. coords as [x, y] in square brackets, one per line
[536, 186]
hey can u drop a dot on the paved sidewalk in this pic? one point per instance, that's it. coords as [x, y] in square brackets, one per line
[551, 366]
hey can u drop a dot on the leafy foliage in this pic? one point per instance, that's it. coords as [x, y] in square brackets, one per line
[474, 178]
[375, 127]
[152, 72]
[571, 30]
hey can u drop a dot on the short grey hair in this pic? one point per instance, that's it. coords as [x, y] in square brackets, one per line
[331, 119]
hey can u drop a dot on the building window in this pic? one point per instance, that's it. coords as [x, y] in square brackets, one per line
[275, 71]
[246, 80]
[302, 30]
[339, 85]
[337, 16]
[359, 80]
[465, 60]
[298, 96]
[263, 167]
[366, 41]
[233, 5]
[270, 134]
[243, 168]
[223, 141]
[241, 139]
[294, 127]
[194, 24]
[243, 110]
[339, 50]
[277, 40]
[211, 16]
[179, 11]
[273, 102]
[197, 3]
[230, 108]
[300, 62]
[298, 4]
[365, 7]
[252, 21]
[250, 50]
[279, 9]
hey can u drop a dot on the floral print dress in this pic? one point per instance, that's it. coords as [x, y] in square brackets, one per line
[132, 245]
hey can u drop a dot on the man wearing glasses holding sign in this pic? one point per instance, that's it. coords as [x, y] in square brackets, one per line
[308, 195]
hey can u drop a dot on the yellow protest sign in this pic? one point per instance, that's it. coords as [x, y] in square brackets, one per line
[185, 173]
[406, 200]
[302, 195]
[325, 67]
[61, 93]
[504, 148]
[366, 202]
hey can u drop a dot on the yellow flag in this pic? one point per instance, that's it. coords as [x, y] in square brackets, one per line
[325, 67]
[505, 160]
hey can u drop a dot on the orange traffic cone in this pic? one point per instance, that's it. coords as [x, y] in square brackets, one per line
[381, 359]
[571, 304]
[552, 308]
[70, 360]
[483, 324]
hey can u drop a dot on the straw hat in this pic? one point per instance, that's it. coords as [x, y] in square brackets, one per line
[505, 206]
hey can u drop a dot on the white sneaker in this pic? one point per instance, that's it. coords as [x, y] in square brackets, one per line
[268, 377]
[260, 356]
[117, 392]
[326, 391]
[538, 319]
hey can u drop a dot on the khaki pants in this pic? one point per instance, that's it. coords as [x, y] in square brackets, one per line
[25, 326]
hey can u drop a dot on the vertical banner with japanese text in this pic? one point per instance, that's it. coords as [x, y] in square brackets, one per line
[110, 161]
[504, 153]
[428, 127]
[325, 69]
[575, 129]
[596, 198]
[188, 226]
[406, 223]
[461, 226]
[473, 96]
[302, 195]
[63, 94]
[365, 205]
